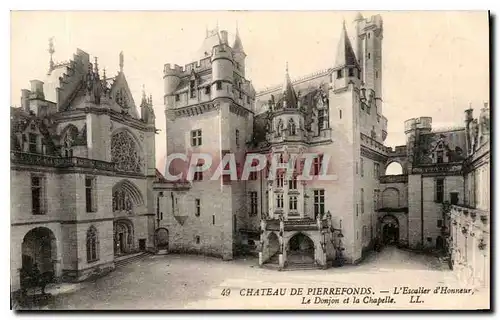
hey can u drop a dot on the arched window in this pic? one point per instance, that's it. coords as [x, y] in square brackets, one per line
[92, 245]
[125, 153]
[292, 128]
[394, 168]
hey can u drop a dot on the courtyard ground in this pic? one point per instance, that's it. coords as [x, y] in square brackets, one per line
[197, 282]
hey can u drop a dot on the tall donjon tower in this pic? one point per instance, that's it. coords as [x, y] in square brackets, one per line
[368, 47]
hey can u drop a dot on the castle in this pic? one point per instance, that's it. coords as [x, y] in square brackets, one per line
[85, 190]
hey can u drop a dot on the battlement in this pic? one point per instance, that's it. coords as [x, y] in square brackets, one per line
[222, 51]
[180, 71]
[175, 71]
[397, 151]
[372, 22]
[295, 81]
[424, 123]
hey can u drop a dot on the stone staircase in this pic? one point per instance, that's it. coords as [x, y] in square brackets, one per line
[125, 260]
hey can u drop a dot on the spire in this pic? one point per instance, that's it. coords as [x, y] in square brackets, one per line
[345, 53]
[237, 45]
[96, 66]
[143, 93]
[289, 95]
[121, 61]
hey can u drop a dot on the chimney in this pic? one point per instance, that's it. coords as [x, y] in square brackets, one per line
[468, 115]
[25, 99]
[223, 35]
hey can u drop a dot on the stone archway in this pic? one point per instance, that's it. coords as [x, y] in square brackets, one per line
[39, 255]
[272, 249]
[389, 230]
[161, 239]
[123, 237]
[300, 249]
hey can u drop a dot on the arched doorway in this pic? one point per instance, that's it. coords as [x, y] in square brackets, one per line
[300, 249]
[39, 254]
[123, 237]
[390, 230]
[161, 238]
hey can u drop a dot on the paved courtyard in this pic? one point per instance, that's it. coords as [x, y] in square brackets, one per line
[197, 282]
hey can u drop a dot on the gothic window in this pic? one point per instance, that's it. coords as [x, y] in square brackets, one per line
[439, 190]
[92, 245]
[292, 128]
[125, 153]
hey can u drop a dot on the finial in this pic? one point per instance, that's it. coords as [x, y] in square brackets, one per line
[96, 66]
[121, 61]
[286, 67]
[143, 92]
[104, 74]
[51, 52]
[150, 99]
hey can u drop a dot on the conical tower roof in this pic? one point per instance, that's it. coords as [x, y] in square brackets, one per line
[237, 45]
[289, 94]
[345, 53]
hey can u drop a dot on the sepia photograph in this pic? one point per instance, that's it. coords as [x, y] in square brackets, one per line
[250, 160]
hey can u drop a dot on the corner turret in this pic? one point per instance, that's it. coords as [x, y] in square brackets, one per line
[222, 69]
[346, 68]
[239, 54]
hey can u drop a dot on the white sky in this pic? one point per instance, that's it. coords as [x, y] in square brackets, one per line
[434, 63]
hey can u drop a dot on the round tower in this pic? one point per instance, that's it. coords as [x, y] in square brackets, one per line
[171, 78]
[222, 70]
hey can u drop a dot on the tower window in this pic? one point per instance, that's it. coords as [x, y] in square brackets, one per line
[319, 202]
[369, 55]
[376, 74]
[439, 190]
[439, 158]
[197, 203]
[218, 85]
[292, 183]
[340, 114]
[280, 180]
[292, 203]
[368, 35]
[237, 136]
[90, 192]
[197, 239]
[253, 203]
[351, 72]
[279, 201]
[207, 90]
[196, 138]
[192, 89]
[37, 198]
[177, 97]
[339, 74]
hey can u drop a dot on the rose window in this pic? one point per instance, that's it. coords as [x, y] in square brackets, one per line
[125, 154]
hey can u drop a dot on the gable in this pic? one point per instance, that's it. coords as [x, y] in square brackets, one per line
[122, 96]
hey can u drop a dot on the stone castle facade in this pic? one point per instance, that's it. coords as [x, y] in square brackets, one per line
[85, 190]
[82, 173]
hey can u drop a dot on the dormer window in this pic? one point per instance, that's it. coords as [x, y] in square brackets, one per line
[192, 89]
[339, 74]
[32, 143]
[439, 156]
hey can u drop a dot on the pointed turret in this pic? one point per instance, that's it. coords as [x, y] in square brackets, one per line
[238, 53]
[237, 45]
[345, 52]
[289, 95]
[346, 68]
